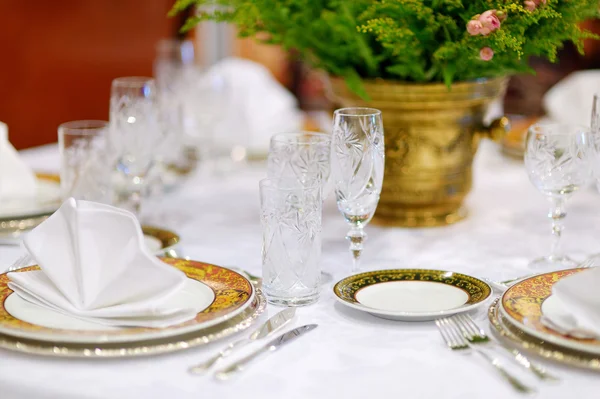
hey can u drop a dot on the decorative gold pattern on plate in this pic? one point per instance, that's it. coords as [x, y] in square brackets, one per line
[232, 291]
[523, 303]
[146, 348]
[513, 335]
[476, 289]
[167, 238]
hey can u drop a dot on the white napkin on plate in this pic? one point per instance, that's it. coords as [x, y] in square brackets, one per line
[256, 105]
[570, 100]
[574, 307]
[17, 180]
[95, 266]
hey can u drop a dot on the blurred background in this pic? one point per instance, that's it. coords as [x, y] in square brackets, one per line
[59, 58]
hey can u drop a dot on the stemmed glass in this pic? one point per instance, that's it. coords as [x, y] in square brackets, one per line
[357, 163]
[302, 158]
[136, 131]
[174, 70]
[557, 159]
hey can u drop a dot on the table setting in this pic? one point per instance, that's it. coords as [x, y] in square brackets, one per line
[394, 251]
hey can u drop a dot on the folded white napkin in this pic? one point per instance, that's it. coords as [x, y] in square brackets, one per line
[17, 180]
[570, 100]
[574, 306]
[255, 105]
[95, 266]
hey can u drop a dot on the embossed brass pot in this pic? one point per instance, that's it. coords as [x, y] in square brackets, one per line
[431, 136]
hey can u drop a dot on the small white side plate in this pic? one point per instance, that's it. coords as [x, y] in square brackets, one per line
[412, 297]
[412, 294]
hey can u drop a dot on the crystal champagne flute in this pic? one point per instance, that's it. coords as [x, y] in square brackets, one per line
[557, 159]
[357, 164]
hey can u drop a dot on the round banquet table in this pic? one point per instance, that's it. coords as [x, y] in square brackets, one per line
[351, 354]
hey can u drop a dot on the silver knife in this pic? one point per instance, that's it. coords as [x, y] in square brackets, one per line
[268, 328]
[272, 346]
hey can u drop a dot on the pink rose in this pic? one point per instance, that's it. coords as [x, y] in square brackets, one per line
[531, 5]
[474, 27]
[486, 54]
[490, 22]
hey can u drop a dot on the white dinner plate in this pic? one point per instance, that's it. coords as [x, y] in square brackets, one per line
[45, 202]
[412, 294]
[221, 292]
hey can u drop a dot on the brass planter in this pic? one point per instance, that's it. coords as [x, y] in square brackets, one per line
[431, 136]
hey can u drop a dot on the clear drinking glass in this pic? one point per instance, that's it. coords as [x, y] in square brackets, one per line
[557, 159]
[85, 165]
[136, 132]
[302, 157]
[291, 222]
[357, 160]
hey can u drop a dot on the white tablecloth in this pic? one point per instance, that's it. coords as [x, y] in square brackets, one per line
[350, 355]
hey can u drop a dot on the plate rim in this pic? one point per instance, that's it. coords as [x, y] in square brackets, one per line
[413, 315]
[578, 359]
[554, 339]
[128, 349]
[45, 211]
[152, 334]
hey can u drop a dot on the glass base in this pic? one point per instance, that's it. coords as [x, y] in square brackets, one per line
[553, 263]
[293, 301]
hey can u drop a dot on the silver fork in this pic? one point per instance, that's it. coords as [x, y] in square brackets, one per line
[475, 335]
[589, 262]
[455, 341]
[21, 262]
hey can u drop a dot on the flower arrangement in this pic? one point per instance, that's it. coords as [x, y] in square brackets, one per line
[408, 40]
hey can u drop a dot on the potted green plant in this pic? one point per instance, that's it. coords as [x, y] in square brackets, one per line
[431, 66]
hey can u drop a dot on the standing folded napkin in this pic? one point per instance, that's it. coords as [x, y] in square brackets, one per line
[577, 305]
[17, 181]
[95, 266]
[570, 100]
[258, 106]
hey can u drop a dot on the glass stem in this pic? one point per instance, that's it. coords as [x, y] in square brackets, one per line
[557, 214]
[356, 236]
[129, 197]
[136, 201]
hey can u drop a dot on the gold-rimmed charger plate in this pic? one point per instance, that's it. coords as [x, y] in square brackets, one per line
[232, 294]
[412, 294]
[144, 348]
[521, 305]
[523, 341]
[47, 201]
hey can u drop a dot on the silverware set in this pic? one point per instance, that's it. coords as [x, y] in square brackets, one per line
[461, 333]
[267, 329]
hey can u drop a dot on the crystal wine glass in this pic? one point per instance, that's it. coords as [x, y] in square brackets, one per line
[174, 69]
[357, 161]
[557, 159]
[302, 158]
[136, 131]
